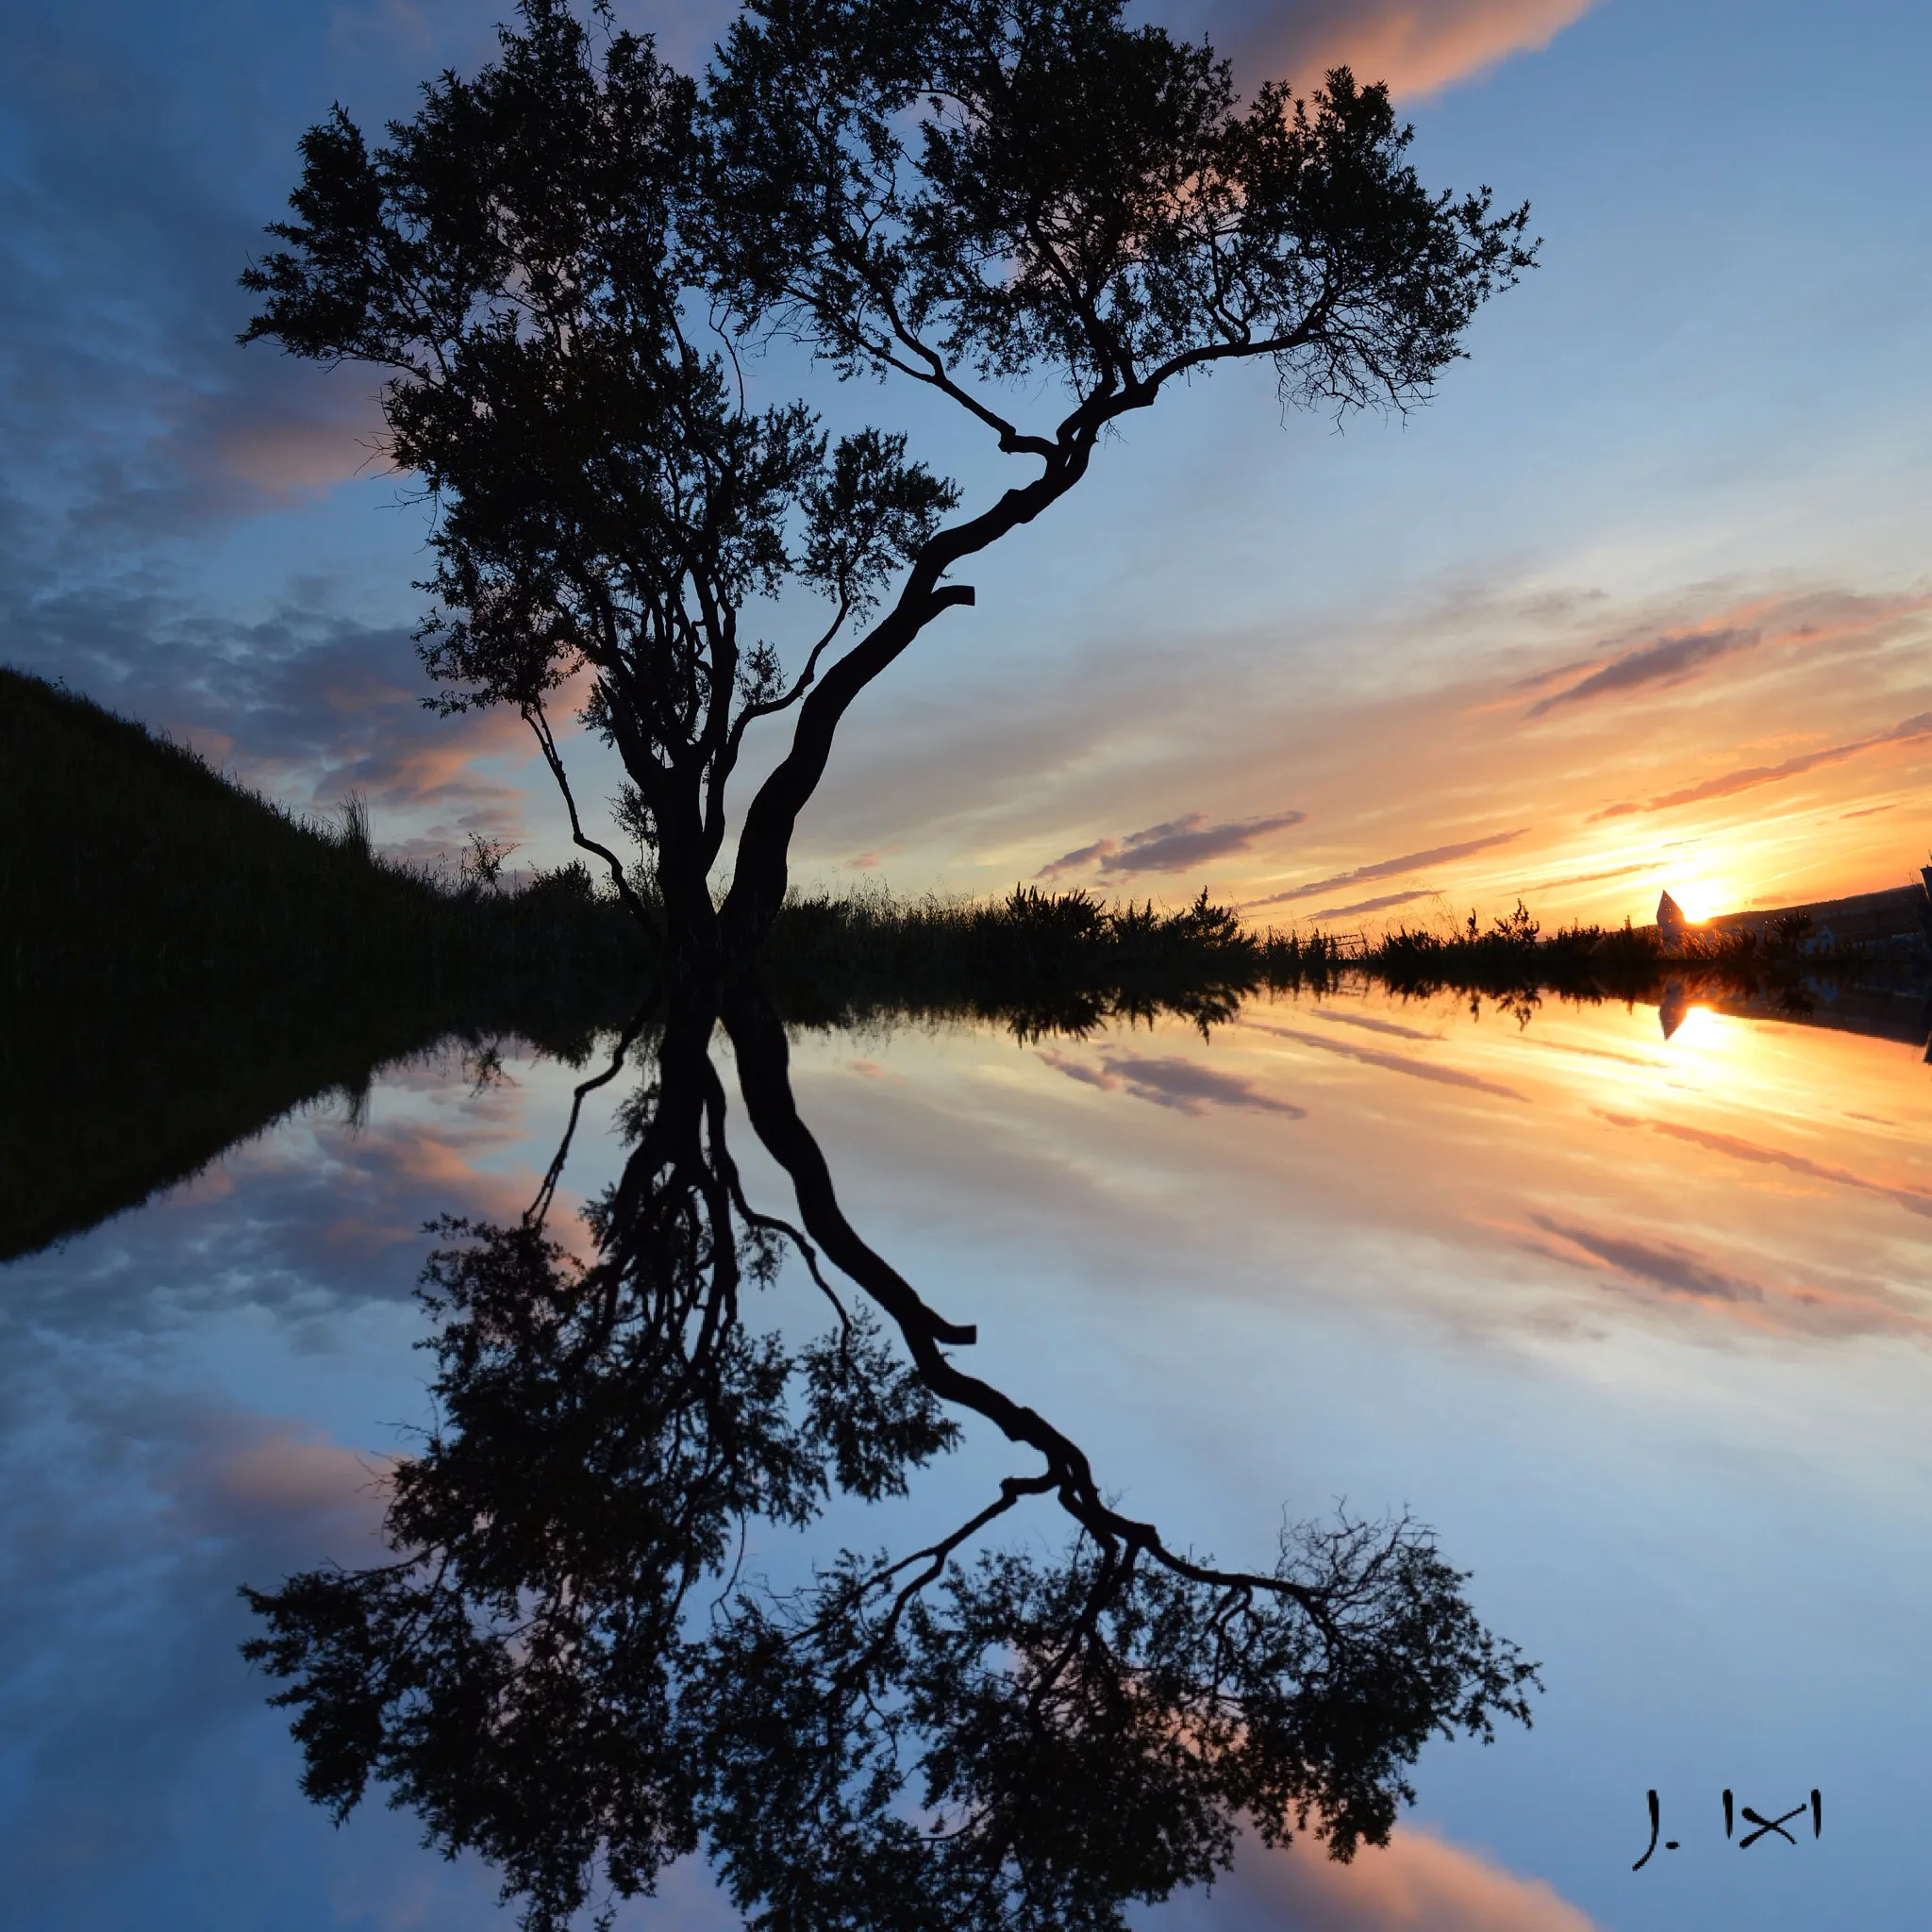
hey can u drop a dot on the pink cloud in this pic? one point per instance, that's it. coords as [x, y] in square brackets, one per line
[1417, 1883]
[1417, 46]
[1386, 869]
[1176, 845]
[1908, 731]
[1184, 1085]
[295, 455]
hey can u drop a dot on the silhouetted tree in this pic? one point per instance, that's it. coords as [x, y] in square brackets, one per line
[557, 260]
[566, 1667]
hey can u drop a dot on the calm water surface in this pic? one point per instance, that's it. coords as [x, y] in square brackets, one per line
[1640, 1325]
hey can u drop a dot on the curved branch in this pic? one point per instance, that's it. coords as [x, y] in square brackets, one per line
[539, 724]
[759, 1041]
[534, 1214]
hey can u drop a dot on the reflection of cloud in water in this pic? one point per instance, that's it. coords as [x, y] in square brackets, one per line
[1682, 1273]
[1417, 1883]
[1674, 1270]
[1395, 1062]
[1914, 1200]
[1184, 1085]
[1372, 1024]
[1598, 1053]
[126, 1693]
[315, 1215]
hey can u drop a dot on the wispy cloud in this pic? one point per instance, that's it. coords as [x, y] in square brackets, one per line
[1676, 1270]
[1174, 846]
[1415, 45]
[1382, 904]
[1906, 731]
[1416, 1880]
[1389, 868]
[1397, 1063]
[1914, 1200]
[1591, 879]
[1668, 660]
[1184, 1085]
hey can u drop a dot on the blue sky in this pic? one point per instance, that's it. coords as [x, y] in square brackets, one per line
[1679, 488]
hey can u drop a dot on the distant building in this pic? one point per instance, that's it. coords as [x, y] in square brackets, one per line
[1895, 923]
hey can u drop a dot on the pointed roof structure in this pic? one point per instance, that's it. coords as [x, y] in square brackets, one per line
[1670, 917]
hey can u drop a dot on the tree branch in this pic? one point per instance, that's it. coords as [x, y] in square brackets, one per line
[539, 724]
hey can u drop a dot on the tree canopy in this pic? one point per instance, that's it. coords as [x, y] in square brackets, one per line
[562, 261]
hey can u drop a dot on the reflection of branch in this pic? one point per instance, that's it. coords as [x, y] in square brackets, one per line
[535, 1212]
[777, 1223]
[762, 1054]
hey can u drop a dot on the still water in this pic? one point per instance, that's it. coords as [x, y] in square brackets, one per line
[1638, 1325]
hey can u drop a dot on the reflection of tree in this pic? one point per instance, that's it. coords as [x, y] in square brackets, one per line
[565, 1670]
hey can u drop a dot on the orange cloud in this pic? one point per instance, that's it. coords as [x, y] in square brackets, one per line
[1908, 731]
[1417, 46]
[1386, 869]
[1417, 1883]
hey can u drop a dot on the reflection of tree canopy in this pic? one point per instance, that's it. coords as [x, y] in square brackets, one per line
[566, 1670]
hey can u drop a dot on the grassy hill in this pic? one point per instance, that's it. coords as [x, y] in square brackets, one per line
[182, 961]
[129, 864]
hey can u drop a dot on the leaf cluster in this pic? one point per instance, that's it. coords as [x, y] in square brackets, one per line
[1019, 185]
[515, 255]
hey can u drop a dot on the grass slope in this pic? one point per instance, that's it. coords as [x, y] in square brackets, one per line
[182, 963]
[129, 866]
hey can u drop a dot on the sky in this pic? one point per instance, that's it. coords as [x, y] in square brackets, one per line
[1638, 1324]
[1639, 602]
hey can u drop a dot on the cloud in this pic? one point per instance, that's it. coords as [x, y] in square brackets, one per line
[1674, 1270]
[1669, 661]
[1914, 1200]
[1372, 1024]
[301, 705]
[1174, 846]
[1591, 879]
[1419, 1882]
[1415, 45]
[1396, 1063]
[1081, 856]
[1907, 731]
[1389, 868]
[1380, 905]
[1184, 1085]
